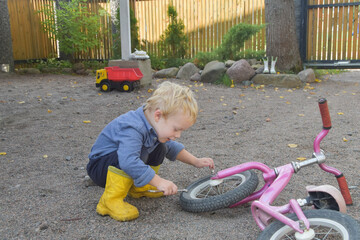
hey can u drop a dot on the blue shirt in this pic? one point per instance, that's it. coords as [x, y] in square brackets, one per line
[132, 136]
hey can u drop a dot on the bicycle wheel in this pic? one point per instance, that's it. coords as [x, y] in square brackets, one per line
[327, 224]
[202, 197]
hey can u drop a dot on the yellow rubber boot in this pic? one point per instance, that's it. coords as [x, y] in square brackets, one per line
[112, 202]
[138, 192]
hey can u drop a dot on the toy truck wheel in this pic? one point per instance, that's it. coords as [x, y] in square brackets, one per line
[127, 86]
[105, 86]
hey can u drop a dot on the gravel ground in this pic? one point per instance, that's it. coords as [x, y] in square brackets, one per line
[42, 132]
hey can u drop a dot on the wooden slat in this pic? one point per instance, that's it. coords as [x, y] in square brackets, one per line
[335, 32]
[357, 35]
[340, 32]
[349, 15]
[330, 33]
[310, 33]
[355, 52]
[320, 32]
[325, 32]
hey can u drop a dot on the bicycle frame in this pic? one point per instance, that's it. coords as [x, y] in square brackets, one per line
[277, 179]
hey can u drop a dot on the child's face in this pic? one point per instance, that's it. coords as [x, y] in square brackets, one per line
[171, 127]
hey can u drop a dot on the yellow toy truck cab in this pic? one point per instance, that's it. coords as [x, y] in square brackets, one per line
[101, 75]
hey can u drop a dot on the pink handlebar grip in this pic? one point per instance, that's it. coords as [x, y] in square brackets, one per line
[325, 115]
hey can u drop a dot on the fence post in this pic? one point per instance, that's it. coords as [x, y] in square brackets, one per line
[6, 53]
[125, 29]
[302, 28]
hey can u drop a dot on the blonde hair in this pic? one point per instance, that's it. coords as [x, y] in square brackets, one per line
[170, 98]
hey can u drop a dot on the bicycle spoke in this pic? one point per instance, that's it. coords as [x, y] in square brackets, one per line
[321, 233]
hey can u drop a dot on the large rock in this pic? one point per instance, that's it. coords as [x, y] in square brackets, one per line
[278, 80]
[186, 71]
[307, 75]
[145, 68]
[196, 77]
[28, 71]
[240, 71]
[213, 72]
[167, 73]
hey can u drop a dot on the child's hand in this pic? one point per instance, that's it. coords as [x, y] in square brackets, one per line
[205, 162]
[166, 186]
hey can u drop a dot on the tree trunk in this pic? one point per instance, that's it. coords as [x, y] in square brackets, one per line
[6, 51]
[281, 38]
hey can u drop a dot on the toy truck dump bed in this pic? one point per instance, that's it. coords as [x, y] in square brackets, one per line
[123, 79]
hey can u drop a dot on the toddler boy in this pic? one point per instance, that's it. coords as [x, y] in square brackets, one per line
[127, 154]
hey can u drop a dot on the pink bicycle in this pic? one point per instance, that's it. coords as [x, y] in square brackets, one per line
[236, 185]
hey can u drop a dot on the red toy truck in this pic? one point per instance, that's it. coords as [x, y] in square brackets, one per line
[123, 79]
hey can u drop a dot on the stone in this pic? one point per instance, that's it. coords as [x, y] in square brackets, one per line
[78, 66]
[213, 71]
[240, 71]
[278, 80]
[196, 77]
[29, 71]
[307, 76]
[167, 73]
[229, 63]
[186, 71]
[123, 63]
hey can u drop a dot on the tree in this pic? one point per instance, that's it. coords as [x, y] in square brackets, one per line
[6, 53]
[281, 38]
[75, 27]
[173, 41]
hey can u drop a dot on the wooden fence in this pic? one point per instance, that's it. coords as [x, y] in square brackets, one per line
[31, 42]
[206, 21]
[28, 39]
[333, 30]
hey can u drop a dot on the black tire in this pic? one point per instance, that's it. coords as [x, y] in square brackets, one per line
[327, 224]
[105, 86]
[127, 86]
[221, 196]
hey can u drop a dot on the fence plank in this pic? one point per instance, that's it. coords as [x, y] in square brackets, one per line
[325, 32]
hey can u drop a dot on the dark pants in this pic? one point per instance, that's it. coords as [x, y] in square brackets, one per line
[97, 168]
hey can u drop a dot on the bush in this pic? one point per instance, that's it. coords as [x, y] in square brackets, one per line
[95, 65]
[156, 62]
[52, 63]
[173, 42]
[226, 80]
[202, 58]
[175, 62]
[230, 48]
[249, 54]
[234, 40]
[76, 28]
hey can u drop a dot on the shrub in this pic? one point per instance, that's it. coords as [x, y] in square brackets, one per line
[52, 63]
[76, 28]
[156, 62]
[173, 42]
[230, 48]
[234, 40]
[202, 58]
